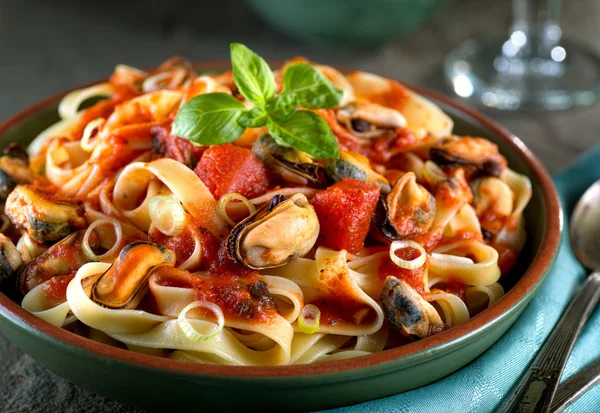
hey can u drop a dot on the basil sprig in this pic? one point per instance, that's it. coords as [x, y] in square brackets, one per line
[216, 118]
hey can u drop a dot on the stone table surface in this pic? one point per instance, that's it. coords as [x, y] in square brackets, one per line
[46, 47]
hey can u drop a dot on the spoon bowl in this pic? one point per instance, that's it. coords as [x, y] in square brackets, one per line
[585, 228]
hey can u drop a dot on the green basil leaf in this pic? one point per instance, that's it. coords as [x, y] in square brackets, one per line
[313, 89]
[307, 132]
[251, 74]
[210, 119]
[282, 107]
[254, 118]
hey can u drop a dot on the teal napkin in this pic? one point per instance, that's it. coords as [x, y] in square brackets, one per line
[483, 384]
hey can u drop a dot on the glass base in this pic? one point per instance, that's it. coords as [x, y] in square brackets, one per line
[478, 70]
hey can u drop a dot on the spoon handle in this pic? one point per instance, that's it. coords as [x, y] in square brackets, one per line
[536, 388]
[575, 387]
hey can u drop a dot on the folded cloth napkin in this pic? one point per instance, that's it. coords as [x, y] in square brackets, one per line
[482, 385]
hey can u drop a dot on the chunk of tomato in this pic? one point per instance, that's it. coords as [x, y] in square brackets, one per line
[229, 168]
[345, 210]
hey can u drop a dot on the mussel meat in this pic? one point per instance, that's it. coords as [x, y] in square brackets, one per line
[478, 155]
[64, 257]
[369, 120]
[14, 169]
[356, 166]
[124, 284]
[10, 258]
[275, 234]
[45, 217]
[16, 151]
[408, 210]
[171, 74]
[291, 164]
[406, 311]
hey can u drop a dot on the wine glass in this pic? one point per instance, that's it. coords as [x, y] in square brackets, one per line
[535, 68]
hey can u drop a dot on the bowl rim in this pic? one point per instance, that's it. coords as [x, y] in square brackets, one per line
[529, 282]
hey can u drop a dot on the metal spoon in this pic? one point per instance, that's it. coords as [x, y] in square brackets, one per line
[575, 387]
[536, 389]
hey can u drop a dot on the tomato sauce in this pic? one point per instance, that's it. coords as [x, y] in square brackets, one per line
[414, 277]
[240, 296]
[462, 236]
[55, 290]
[335, 311]
[491, 221]
[454, 287]
[454, 191]
[339, 305]
[507, 256]
[396, 97]
[429, 240]
[182, 244]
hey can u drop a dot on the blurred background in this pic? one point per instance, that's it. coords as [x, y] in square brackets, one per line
[48, 46]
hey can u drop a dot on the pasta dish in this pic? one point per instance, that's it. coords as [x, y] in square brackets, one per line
[257, 216]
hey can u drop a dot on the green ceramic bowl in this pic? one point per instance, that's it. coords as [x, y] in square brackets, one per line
[164, 385]
[353, 22]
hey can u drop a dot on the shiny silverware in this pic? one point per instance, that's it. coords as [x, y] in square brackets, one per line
[575, 387]
[536, 389]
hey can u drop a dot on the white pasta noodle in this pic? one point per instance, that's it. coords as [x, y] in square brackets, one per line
[60, 128]
[158, 104]
[465, 221]
[65, 162]
[481, 297]
[513, 233]
[328, 272]
[372, 343]
[484, 271]
[68, 107]
[225, 345]
[283, 287]
[325, 344]
[181, 181]
[454, 309]
[35, 302]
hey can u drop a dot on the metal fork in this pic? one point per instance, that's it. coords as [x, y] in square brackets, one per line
[575, 387]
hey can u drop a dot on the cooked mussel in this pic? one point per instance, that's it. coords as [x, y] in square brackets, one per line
[44, 216]
[407, 210]
[275, 234]
[10, 258]
[16, 151]
[64, 257]
[171, 74]
[356, 166]
[406, 310]
[291, 164]
[478, 155]
[369, 120]
[124, 284]
[14, 169]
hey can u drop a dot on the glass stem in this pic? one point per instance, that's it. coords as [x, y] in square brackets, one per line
[535, 29]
